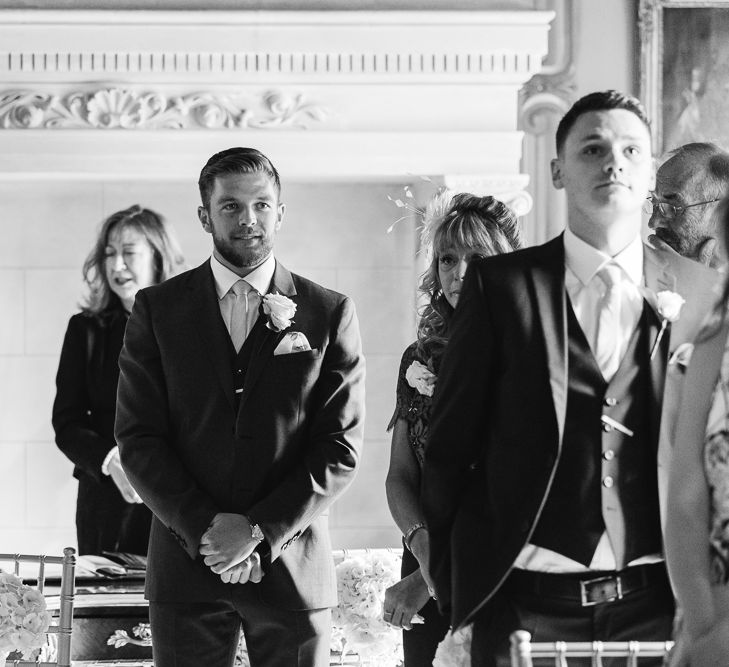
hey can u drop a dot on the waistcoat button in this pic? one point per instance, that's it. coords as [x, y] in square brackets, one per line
[608, 482]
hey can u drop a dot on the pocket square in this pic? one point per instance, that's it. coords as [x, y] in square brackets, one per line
[293, 341]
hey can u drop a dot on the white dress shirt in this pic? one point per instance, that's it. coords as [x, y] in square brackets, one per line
[259, 279]
[586, 290]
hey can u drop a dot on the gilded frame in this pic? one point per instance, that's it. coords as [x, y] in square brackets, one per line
[665, 40]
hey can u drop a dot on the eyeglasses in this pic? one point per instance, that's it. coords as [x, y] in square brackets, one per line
[669, 211]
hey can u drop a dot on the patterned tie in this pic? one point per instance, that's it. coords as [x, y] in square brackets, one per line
[243, 312]
[609, 335]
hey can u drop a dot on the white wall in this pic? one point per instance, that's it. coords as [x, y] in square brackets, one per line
[606, 46]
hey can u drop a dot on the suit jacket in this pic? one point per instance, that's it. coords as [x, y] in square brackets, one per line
[282, 457]
[499, 411]
[86, 383]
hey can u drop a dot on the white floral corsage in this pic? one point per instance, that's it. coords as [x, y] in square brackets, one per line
[668, 306]
[420, 378]
[280, 309]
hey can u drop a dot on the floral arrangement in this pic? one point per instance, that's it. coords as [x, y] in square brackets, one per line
[280, 309]
[357, 624]
[24, 619]
[455, 649]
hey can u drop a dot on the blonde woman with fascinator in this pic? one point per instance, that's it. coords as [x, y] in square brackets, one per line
[697, 522]
[134, 249]
[456, 229]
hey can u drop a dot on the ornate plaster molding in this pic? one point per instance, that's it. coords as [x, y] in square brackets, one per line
[352, 64]
[552, 91]
[123, 108]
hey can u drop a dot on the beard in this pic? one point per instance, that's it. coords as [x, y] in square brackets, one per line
[669, 238]
[242, 257]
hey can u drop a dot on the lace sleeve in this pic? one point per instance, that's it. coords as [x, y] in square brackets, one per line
[404, 392]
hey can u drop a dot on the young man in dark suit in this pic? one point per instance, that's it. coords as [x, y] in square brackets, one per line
[239, 422]
[544, 476]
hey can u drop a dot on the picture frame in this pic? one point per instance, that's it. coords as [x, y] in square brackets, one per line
[684, 70]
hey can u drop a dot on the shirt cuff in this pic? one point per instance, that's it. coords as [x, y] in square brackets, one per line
[105, 465]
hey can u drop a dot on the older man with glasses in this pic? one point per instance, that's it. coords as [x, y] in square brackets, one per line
[688, 186]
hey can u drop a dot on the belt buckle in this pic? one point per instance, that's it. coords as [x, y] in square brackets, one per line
[601, 589]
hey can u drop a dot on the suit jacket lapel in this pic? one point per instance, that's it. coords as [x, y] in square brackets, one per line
[658, 278]
[267, 339]
[211, 330]
[549, 288]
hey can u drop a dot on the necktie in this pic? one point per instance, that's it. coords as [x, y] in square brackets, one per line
[609, 335]
[242, 313]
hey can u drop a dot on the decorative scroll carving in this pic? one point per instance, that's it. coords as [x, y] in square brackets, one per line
[126, 109]
[552, 91]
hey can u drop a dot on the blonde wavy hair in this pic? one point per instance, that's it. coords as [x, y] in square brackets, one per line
[457, 220]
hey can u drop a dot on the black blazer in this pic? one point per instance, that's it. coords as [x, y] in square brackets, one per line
[499, 407]
[86, 384]
[283, 457]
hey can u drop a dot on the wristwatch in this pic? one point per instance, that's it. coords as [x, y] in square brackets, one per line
[256, 532]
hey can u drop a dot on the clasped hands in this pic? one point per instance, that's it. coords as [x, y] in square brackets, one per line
[227, 547]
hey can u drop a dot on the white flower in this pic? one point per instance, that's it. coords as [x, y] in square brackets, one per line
[420, 378]
[357, 623]
[280, 309]
[668, 305]
[23, 616]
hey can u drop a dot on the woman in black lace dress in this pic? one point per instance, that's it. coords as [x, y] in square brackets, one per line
[457, 228]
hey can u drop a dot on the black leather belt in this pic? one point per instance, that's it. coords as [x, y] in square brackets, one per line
[588, 588]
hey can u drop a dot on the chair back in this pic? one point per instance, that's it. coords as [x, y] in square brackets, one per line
[64, 627]
[523, 650]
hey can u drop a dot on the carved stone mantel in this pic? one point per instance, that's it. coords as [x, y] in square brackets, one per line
[330, 95]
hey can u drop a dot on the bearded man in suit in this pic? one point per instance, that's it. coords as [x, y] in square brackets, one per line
[545, 471]
[239, 422]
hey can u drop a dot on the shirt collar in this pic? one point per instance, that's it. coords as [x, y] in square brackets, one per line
[260, 278]
[585, 261]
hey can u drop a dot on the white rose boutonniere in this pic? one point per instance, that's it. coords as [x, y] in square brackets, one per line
[420, 378]
[280, 309]
[668, 306]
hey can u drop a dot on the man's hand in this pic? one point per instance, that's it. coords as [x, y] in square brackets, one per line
[227, 542]
[404, 600]
[116, 472]
[249, 570]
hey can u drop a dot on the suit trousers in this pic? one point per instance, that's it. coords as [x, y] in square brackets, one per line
[206, 633]
[643, 615]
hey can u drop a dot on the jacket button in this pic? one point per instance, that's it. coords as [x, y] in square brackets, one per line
[608, 482]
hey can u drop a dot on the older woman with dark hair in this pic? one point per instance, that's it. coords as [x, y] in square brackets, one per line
[697, 515]
[457, 228]
[134, 249]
